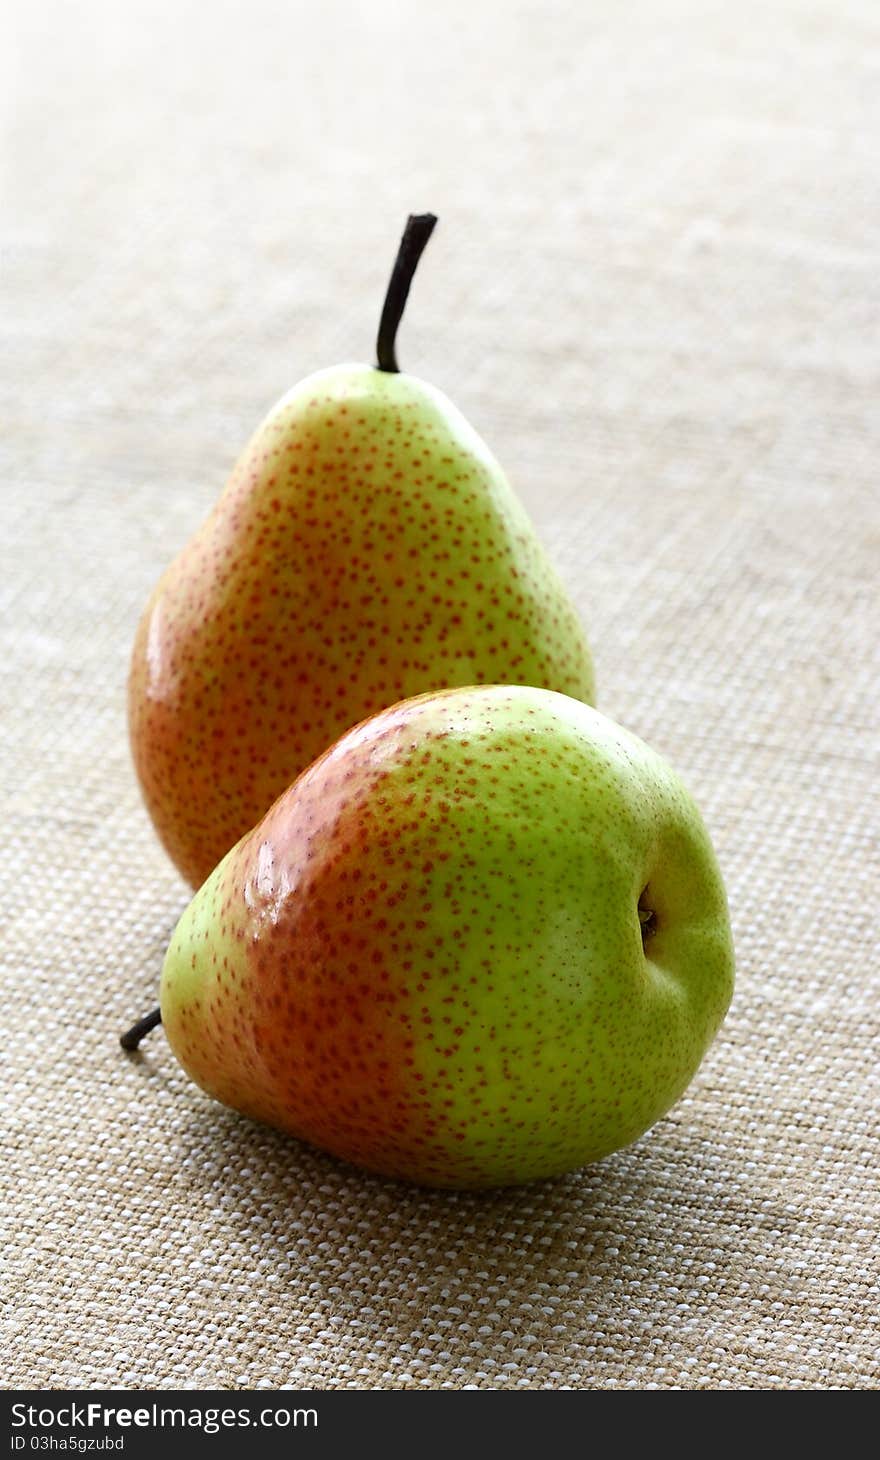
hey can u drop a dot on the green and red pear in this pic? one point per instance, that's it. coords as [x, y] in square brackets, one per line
[483, 939]
[367, 548]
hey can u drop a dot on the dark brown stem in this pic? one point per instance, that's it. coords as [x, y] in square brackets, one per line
[132, 1039]
[419, 227]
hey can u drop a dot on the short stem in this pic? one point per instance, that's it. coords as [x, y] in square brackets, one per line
[132, 1039]
[419, 227]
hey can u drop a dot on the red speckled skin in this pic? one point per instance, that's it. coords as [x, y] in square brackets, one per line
[366, 548]
[427, 958]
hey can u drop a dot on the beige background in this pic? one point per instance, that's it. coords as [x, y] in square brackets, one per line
[654, 291]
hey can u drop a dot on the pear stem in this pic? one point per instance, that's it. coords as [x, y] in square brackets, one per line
[135, 1034]
[419, 227]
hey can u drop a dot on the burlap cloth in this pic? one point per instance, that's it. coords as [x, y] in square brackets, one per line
[654, 291]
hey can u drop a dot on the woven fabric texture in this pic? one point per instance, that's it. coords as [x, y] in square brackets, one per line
[654, 292]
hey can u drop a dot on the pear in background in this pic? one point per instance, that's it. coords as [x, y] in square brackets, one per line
[367, 548]
[483, 939]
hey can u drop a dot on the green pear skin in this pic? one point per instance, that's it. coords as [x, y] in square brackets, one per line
[483, 939]
[367, 548]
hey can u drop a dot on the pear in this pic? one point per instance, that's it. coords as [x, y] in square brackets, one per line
[482, 940]
[366, 548]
